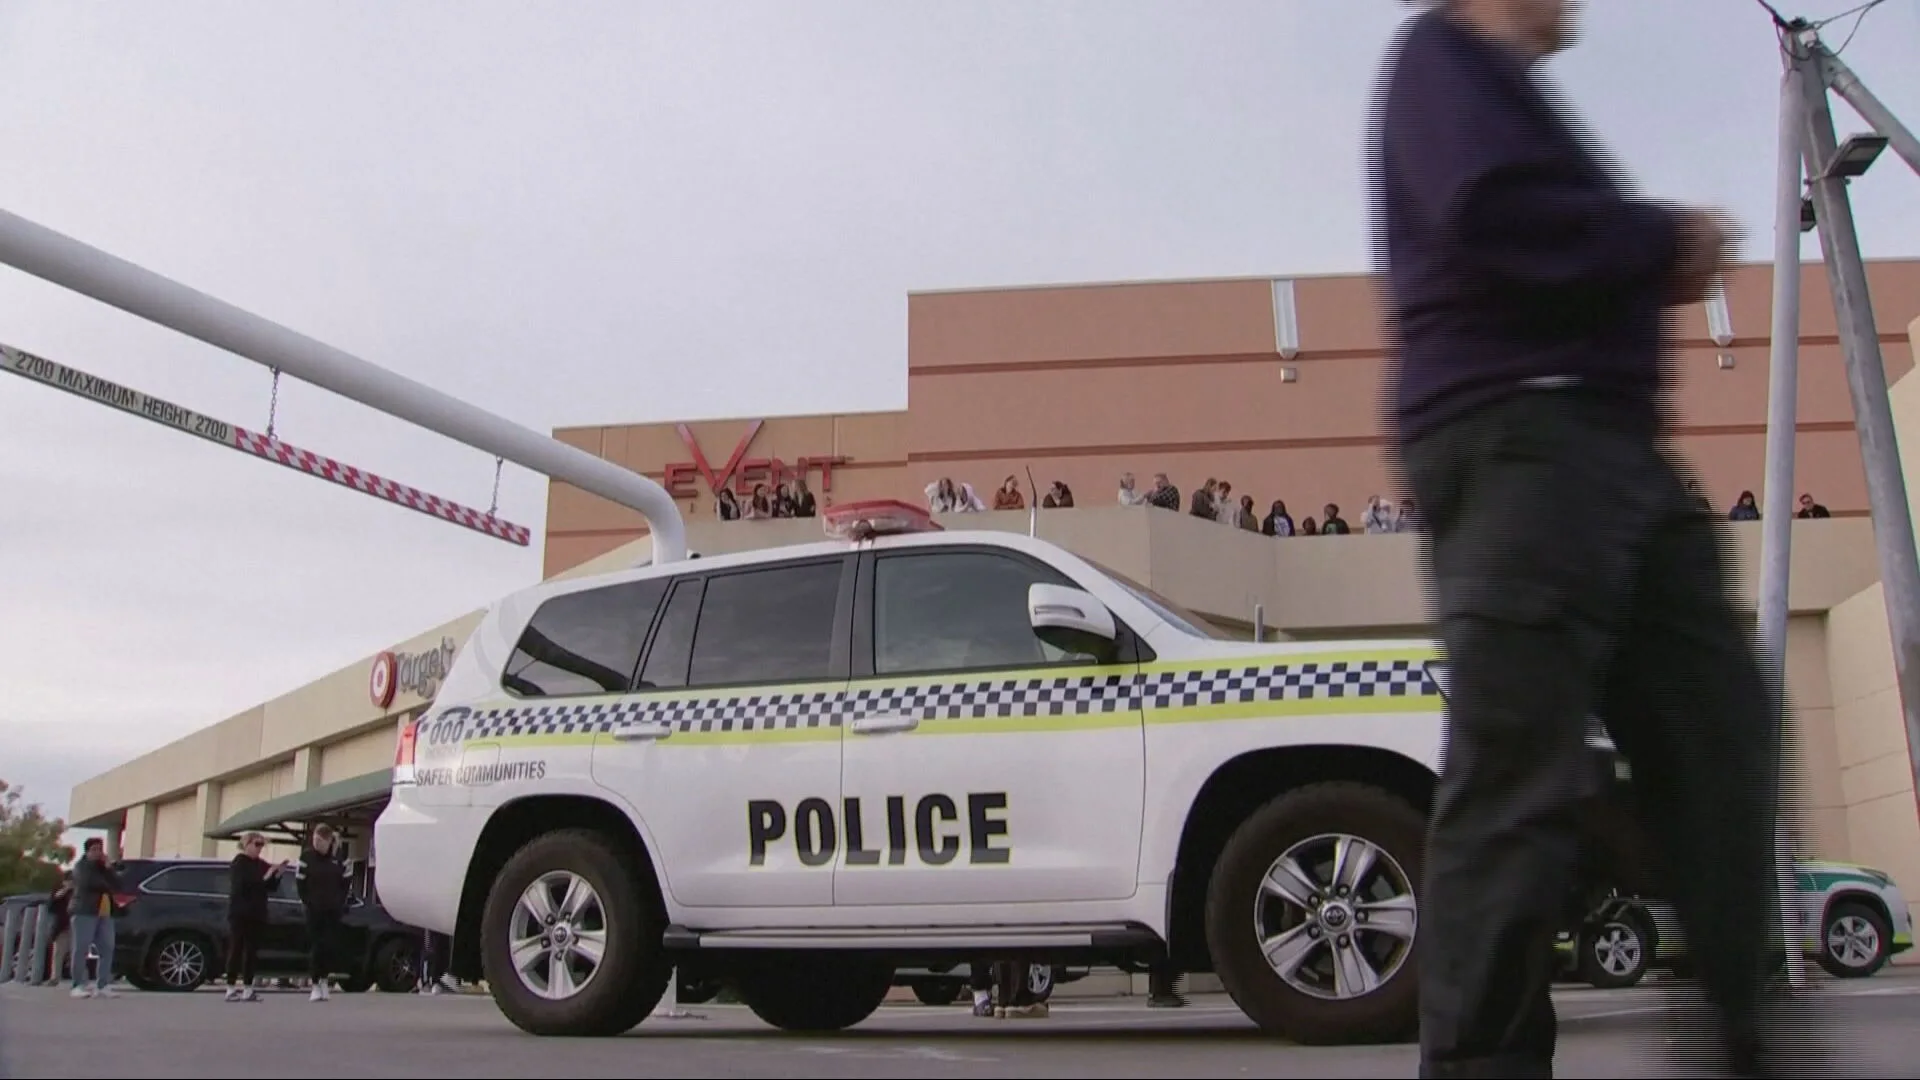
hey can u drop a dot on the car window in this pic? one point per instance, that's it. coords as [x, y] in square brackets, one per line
[672, 648]
[195, 880]
[958, 611]
[286, 887]
[771, 625]
[586, 642]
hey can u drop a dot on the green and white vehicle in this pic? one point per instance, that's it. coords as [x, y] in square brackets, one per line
[1856, 920]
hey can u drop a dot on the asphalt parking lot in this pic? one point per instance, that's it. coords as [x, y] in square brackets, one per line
[1604, 1034]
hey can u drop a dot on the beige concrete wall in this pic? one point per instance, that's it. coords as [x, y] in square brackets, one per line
[1870, 743]
[335, 706]
[369, 751]
[174, 832]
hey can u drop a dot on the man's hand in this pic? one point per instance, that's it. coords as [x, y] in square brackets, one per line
[1706, 251]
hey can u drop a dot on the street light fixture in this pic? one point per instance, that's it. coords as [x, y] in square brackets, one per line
[1855, 156]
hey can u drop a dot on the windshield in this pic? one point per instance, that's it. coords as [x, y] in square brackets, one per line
[1180, 618]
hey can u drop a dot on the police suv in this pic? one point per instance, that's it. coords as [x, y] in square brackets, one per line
[801, 769]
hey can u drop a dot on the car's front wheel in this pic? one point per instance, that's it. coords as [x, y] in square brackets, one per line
[571, 938]
[1855, 941]
[181, 963]
[1614, 954]
[1311, 915]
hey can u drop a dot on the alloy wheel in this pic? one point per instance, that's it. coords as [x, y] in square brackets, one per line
[181, 963]
[1853, 941]
[558, 935]
[1336, 917]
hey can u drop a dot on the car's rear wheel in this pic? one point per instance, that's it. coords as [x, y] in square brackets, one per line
[1311, 915]
[1855, 941]
[1040, 981]
[571, 938]
[814, 992]
[938, 991]
[180, 963]
[396, 966]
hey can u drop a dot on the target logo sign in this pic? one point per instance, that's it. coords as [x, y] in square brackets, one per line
[384, 681]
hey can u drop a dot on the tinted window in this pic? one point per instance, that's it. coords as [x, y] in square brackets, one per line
[585, 642]
[201, 880]
[957, 611]
[672, 645]
[773, 625]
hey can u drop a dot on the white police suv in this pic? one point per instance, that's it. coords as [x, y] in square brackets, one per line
[799, 769]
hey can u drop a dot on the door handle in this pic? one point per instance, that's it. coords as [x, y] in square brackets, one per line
[642, 731]
[884, 725]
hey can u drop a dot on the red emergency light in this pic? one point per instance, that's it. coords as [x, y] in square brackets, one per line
[876, 517]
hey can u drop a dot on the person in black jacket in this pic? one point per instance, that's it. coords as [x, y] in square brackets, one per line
[322, 880]
[251, 881]
[1528, 294]
[94, 886]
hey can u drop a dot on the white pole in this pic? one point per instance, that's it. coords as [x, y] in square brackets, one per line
[87, 270]
[1776, 536]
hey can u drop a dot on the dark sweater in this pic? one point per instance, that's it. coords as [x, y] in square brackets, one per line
[1510, 254]
[322, 882]
[247, 889]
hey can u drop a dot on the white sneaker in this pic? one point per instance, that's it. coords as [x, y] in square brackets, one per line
[106, 992]
[316, 995]
[80, 992]
[233, 994]
[249, 994]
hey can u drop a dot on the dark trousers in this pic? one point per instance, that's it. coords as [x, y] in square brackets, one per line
[323, 932]
[1574, 576]
[243, 949]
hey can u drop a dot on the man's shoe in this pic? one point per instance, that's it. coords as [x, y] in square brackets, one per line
[1166, 1001]
[80, 992]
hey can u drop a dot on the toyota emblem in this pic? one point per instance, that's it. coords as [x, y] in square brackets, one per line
[384, 680]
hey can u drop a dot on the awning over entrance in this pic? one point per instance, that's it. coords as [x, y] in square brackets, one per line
[301, 808]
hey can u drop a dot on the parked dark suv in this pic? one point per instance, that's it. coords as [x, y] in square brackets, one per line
[173, 933]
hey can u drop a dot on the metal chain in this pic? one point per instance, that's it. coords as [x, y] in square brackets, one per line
[495, 504]
[273, 403]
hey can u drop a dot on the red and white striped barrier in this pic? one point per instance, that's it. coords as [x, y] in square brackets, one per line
[101, 391]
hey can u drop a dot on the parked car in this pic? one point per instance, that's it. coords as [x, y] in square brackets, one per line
[1858, 920]
[173, 934]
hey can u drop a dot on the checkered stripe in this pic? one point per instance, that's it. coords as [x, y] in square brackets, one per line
[1082, 695]
[752, 712]
[1001, 698]
[1310, 681]
[326, 468]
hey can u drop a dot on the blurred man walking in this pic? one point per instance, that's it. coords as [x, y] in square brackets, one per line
[1574, 575]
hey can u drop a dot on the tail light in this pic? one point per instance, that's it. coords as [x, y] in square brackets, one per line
[403, 753]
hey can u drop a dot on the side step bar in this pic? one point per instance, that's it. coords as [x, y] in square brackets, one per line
[1104, 937]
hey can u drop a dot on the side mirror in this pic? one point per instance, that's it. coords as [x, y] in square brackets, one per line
[1071, 620]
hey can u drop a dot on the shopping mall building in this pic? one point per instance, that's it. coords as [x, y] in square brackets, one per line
[1270, 385]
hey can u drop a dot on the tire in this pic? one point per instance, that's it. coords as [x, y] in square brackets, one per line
[1316, 1008]
[815, 992]
[1855, 940]
[698, 991]
[1615, 954]
[938, 992]
[1041, 979]
[179, 963]
[355, 984]
[620, 910]
[143, 984]
[396, 967]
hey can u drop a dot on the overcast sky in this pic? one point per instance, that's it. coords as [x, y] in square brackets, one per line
[621, 212]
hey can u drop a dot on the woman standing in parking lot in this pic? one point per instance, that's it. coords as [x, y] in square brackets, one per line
[251, 880]
[322, 879]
